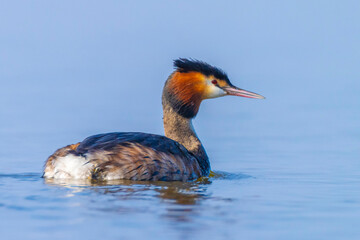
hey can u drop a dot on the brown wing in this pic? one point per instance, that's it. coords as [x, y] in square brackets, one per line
[138, 156]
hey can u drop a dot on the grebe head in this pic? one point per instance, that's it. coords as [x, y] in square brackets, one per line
[194, 81]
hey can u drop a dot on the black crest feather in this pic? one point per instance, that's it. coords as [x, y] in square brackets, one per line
[191, 65]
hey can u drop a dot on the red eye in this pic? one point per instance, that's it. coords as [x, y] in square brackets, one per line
[214, 82]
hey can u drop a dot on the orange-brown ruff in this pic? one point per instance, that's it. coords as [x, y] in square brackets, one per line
[177, 156]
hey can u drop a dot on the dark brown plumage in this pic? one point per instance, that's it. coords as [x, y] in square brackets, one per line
[133, 156]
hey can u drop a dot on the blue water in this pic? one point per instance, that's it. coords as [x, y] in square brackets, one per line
[286, 167]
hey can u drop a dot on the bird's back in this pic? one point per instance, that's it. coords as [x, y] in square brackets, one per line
[126, 155]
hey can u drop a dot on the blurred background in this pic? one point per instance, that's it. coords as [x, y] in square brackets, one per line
[70, 69]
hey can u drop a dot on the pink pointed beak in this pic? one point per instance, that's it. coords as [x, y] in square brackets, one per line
[234, 91]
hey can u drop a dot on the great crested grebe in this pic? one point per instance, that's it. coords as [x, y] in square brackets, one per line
[179, 156]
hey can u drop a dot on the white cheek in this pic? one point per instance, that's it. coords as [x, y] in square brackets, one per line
[214, 92]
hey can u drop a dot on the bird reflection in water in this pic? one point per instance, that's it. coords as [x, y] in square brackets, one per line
[172, 201]
[183, 193]
[178, 205]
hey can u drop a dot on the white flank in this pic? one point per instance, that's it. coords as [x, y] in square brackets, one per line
[72, 166]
